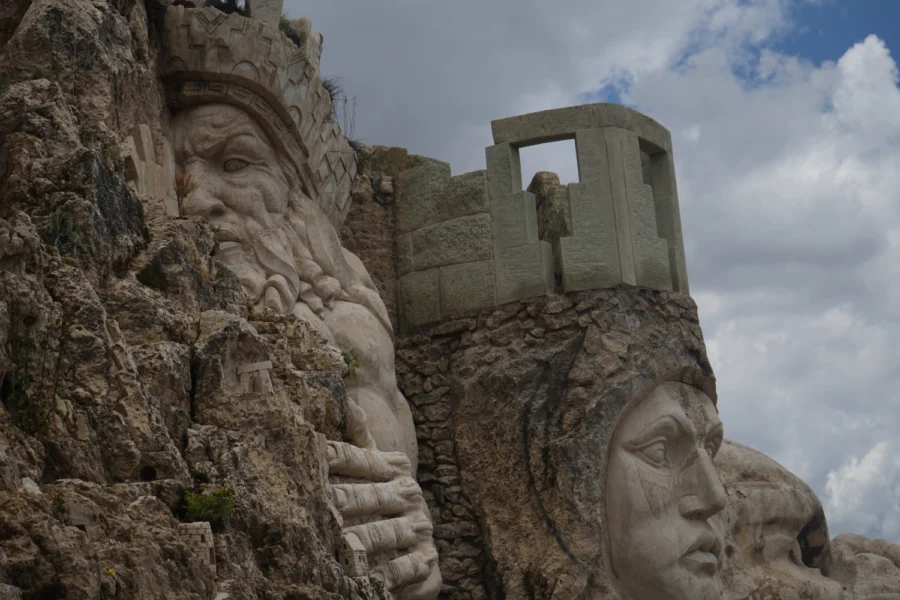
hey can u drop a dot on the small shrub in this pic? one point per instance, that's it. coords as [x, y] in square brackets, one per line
[215, 506]
[353, 361]
[64, 236]
[4, 83]
[57, 69]
[37, 74]
[184, 185]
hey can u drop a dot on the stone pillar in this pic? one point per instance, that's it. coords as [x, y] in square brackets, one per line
[267, 11]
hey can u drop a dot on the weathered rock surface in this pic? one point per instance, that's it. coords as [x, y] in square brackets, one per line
[513, 410]
[129, 373]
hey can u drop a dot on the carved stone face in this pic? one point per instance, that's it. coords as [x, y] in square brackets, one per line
[241, 187]
[775, 531]
[661, 490]
[279, 243]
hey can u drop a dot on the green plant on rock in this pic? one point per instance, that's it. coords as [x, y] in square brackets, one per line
[64, 236]
[30, 388]
[353, 360]
[4, 83]
[214, 506]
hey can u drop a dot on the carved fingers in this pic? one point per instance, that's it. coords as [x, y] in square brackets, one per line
[407, 569]
[370, 499]
[402, 532]
[351, 461]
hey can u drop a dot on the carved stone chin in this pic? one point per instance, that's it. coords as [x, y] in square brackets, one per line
[661, 490]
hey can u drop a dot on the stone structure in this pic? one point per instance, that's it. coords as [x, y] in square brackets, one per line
[198, 537]
[184, 246]
[472, 241]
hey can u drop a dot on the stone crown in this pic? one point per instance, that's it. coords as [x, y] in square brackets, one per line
[217, 57]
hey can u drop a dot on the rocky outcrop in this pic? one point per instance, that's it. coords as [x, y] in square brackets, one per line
[154, 442]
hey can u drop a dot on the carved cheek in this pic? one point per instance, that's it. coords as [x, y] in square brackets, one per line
[658, 489]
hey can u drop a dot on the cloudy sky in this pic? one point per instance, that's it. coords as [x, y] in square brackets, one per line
[785, 117]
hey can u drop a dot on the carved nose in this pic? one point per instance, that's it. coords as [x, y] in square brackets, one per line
[702, 493]
[202, 201]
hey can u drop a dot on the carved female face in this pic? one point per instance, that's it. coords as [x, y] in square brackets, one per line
[661, 490]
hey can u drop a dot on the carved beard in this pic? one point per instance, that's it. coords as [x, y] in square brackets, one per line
[318, 275]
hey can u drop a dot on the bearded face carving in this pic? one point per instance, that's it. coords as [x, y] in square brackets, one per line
[661, 491]
[289, 259]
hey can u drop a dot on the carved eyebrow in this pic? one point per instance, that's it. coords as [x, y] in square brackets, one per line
[207, 145]
[667, 426]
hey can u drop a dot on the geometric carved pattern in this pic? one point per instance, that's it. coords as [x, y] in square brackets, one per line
[214, 57]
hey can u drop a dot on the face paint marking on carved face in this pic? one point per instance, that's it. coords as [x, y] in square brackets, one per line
[661, 490]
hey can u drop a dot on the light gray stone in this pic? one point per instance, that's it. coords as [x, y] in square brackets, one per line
[467, 288]
[504, 171]
[668, 216]
[267, 11]
[461, 196]
[523, 271]
[466, 239]
[419, 298]
[416, 190]
[404, 253]
[590, 258]
[542, 127]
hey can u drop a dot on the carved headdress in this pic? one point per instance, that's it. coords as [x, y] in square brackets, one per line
[250, 63]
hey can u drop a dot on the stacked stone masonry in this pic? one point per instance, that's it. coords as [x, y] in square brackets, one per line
[474, 241]
[198, 537]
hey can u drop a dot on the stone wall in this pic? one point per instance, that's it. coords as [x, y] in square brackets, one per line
[475, 240]
[490, 393]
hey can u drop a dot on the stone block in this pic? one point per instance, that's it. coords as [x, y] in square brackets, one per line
[523, 271]
[415, 194]
[504, 171]
[466, 239]
[404, 253]
[462, 196]
[618, 142]
[591, 151]
[651, 253]
[467, 288]
[615, 115]
[668, 216]
[419, 298]
[590, 258]
[515, 220]
[542, 127]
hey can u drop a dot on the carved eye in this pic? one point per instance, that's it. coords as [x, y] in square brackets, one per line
[235, 164]
[655, 453]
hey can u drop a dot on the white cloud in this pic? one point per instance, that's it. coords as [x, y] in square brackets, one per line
[859, 483]
[789, 179]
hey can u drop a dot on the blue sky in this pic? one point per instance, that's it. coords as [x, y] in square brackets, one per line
[826, 30]
[785, 120]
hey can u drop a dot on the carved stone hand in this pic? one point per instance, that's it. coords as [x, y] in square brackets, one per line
[384, 513]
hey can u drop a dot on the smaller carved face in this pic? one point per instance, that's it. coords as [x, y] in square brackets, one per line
[238, 182]
[661, 490]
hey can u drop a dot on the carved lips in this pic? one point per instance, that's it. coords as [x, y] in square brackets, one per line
[704, 554]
